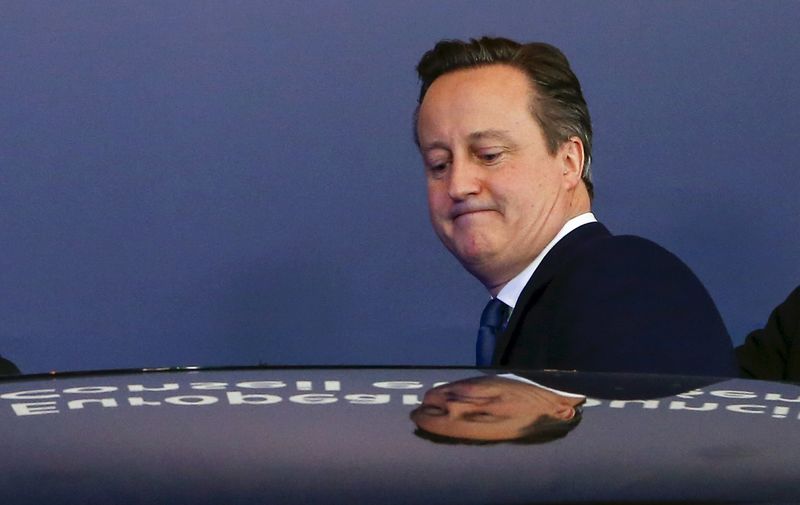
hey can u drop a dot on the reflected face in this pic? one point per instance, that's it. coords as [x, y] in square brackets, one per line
[487, 408]
[496, 196]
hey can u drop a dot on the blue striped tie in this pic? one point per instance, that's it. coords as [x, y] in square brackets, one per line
[493, 319]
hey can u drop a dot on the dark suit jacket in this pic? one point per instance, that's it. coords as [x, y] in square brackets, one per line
[773, 353]
[7, 367]
[606, 386]
[615, 304]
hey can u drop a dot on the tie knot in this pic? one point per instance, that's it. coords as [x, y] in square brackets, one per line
[494, 314]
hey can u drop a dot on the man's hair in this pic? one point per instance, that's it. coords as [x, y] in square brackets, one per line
[544, 429]
[557, 101]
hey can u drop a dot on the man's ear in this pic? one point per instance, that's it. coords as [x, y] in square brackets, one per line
[564, 411]
[571, 156]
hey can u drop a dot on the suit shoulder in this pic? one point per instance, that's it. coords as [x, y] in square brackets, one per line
[633, 275]
[634, 304]
[635, 243]
[632, 255]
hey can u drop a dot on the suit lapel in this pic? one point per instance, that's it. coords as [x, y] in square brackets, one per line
[564, 250]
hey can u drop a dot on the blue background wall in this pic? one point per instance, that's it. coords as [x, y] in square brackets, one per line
[235, 182]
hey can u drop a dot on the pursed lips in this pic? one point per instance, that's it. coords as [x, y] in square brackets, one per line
[459, 210]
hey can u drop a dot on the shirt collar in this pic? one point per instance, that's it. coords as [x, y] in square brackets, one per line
[532, 383]
[511, 291]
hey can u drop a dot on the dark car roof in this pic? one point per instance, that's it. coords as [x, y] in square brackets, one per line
[343, 435]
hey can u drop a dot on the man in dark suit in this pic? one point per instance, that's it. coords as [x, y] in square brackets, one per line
[505, 137]
[773, 352]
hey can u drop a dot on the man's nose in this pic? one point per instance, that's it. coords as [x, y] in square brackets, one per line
[458, 408]
[464, 179]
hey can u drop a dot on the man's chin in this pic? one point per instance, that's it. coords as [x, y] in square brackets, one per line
[480, 265]
[474, 259]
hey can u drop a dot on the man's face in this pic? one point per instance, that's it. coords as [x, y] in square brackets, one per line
[484, 408]
[496, 195]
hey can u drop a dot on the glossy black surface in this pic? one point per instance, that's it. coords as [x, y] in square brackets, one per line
[344, 436]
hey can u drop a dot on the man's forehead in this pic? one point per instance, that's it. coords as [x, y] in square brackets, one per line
[475, 104]
[504, 430]
[483, 85]
[503, 74]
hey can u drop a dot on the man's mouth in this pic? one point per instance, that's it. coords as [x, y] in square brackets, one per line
[457, 213]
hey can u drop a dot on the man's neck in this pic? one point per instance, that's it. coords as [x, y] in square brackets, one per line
[509, 291]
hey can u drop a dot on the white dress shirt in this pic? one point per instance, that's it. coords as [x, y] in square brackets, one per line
[532, 383]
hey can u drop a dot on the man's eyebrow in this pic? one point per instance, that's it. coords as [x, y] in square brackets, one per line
[436, 144]
[491, 134]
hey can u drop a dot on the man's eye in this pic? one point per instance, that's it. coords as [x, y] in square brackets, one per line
[436, 168]
[479, 417]
[431, 410]
[489, 157]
